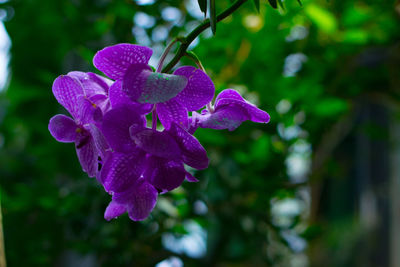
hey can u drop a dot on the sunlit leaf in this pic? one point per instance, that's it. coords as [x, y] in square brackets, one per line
[280, 3]
[257, 4]
[324, 19]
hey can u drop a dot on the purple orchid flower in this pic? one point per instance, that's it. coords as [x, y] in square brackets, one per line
[138, 200]
[197, 93]
[167, 152]
[81, 128]
[95, 87]
[229, 111]
[109, 128]
[187, 89]
[155, 164]
[157, 156]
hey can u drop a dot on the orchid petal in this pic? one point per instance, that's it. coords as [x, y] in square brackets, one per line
[115, 60]
[63, 128]
[122, 170]
[199, 90]
[142, 85]
[227, 117]
[256, 114]
[99, 140]
[88, 111]
[114, 210]
[164, 174]
[229, 94]
[67, 90]
[116, 125]
[193, 153]
[190, 178]
[156, 143]
[101, 101]
[118, 98]
[144, 199]
[172, 111]
[92, 83]
[87, 153]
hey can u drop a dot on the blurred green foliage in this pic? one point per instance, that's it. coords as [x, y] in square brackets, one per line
[309, 66]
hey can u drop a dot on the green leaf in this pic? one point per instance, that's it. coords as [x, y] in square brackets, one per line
[213, 16]
[273, 3]
[280, 3]
[323, 18]
[203, 6]
[299, 2]
[257, 4]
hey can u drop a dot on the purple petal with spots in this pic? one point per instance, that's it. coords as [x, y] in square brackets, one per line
[199, 90]
[226, 117]
[121, 170]
[190, 178]
[118, 98]
[67, 90]
[164, 174]
[172, 111]
[142, 85]
[104, 82]
[116, 125]
[99, 140]
[63, 128]
[255, 114]
[101, 101]
[193, 122]
[139, 200]
[156, 143]
[229, 94]
[114, 210]
[115, 60]
[87, 152]
[193, 153]
[144, 199]
[92, 83]
[88, 111]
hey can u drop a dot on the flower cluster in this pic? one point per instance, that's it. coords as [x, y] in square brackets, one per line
[134, 162]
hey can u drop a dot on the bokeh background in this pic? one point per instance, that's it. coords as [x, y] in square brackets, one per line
[317, 186]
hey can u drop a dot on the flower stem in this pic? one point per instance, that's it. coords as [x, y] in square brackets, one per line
[195, 59]
[186, 41]
[165, 53]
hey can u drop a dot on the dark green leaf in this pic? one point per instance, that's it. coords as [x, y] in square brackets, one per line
[257, 4]
[203, 6]
[273, 3]
[299, 2]
[213, 17]
[280, 3]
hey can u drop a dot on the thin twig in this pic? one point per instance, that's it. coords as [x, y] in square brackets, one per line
[164, 55]
[186, 41]
[195, 59]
